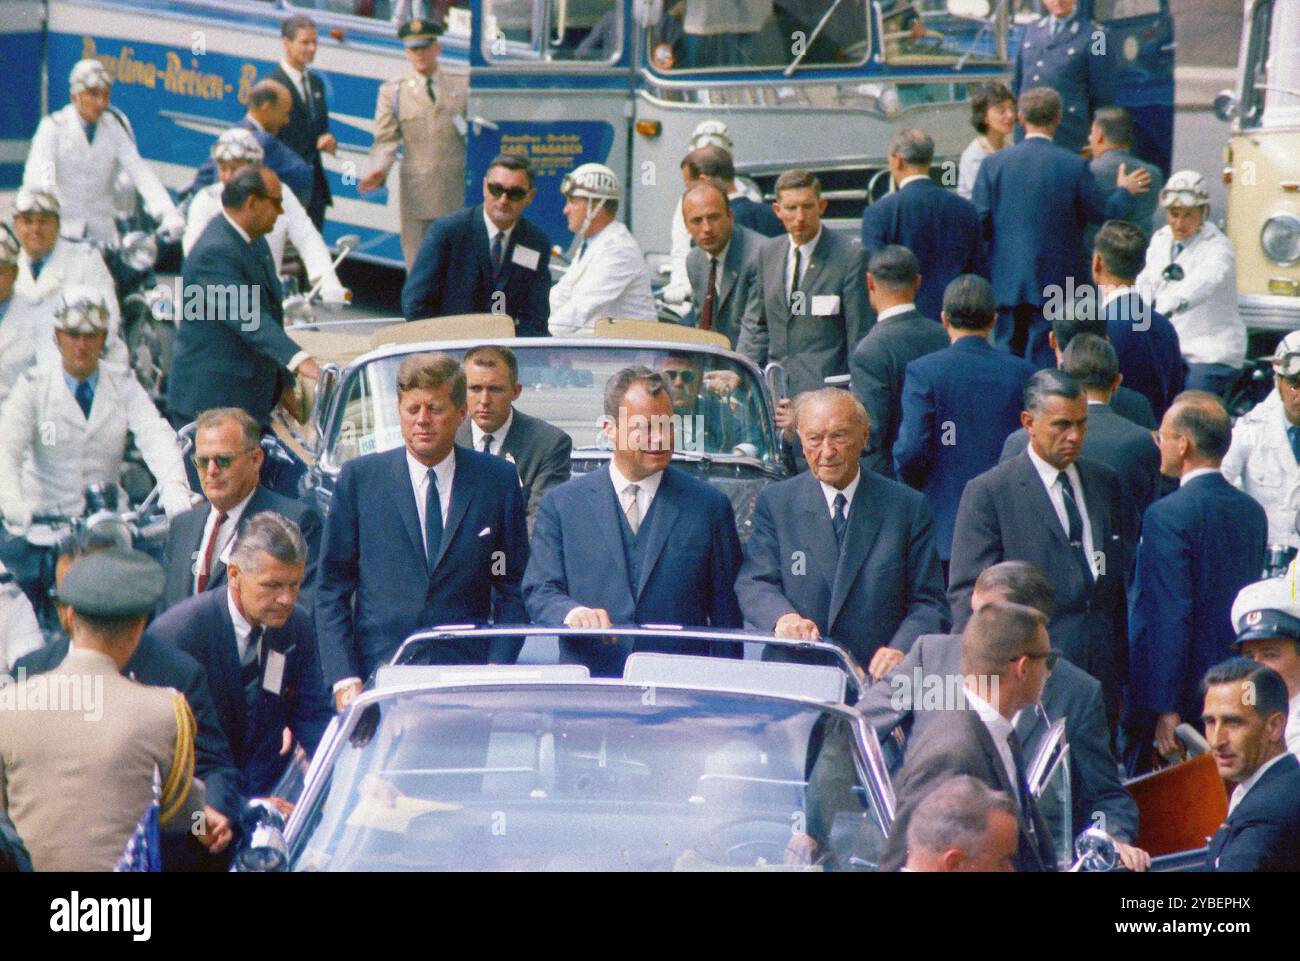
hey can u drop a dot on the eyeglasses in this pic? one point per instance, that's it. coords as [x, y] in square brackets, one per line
[513, 194]
[1050, 657]
[223, 461]
[685, 376]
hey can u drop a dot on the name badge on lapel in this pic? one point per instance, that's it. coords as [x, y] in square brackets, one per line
[825, 305]
[273, 679]
[525, 257]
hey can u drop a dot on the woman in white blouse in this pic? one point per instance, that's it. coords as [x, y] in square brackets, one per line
[993, 115]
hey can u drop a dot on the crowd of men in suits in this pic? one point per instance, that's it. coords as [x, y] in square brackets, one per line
[986, 501]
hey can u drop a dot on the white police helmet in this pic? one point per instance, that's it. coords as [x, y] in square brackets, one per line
[1186, 188]
[31, 200]
[237, 144]
[81, 310]
[595, 181]
[9, 247]
[89, 75]
[711, 133]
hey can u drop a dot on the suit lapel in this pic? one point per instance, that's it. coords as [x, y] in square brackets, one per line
[483, 244]
[605, 514]
[227, 657]
[1095, 504]
[664, 516]
[1036, 494]
[821, 535]
[462, 491]
[730, 269]
[404, 498]
[864, 525]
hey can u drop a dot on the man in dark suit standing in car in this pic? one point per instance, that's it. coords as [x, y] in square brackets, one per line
[839, 552]
[430, 533]
[940, 228]
[540, 452]
[1064, 515]
[308, 130]
[486, 259]
[642, 542]
[719, 264]
[900, 335]
[229, 456]
[231, 350]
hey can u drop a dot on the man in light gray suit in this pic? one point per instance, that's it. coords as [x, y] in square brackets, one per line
[809, 307]
[1110, 141]
[720, 260]
[1069, 693]
[540, 451]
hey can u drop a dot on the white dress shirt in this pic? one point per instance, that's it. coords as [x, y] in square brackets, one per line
[999, 729]
[248, 652]
[907, 180]
[898, 310]
[445, 471]
[1047, 473]
[225, 536]
[646, 490]
[805, 256]
[499, 435]
[829, 492]
[1241, 790]
[493, 230]
[298, 79]
[1198, 472]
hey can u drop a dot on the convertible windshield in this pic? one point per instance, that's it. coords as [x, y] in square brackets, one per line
[618, 778]
[718, 404]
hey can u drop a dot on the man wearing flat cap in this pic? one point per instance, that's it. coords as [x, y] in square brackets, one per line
[424, 113]
[79, 745]
[1266, 616]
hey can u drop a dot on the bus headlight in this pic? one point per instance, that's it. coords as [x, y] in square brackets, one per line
[1280, 238]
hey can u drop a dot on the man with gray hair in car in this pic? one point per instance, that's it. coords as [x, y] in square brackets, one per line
[963, 825]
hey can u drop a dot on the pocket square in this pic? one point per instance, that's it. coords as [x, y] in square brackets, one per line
[485, 532]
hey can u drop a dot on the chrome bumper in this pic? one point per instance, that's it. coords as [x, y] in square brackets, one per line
[1269, 312]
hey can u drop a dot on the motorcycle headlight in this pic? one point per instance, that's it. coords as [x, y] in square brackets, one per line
[1280, 238]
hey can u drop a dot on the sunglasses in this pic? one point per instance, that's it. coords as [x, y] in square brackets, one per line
[685, 376]
[513, 194]
[1051, 657]
[223, 461]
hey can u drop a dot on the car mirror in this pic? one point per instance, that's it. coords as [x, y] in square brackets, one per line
[1225, 106]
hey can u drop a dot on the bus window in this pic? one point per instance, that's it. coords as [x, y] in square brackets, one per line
[924, 32]
[762, 34]
[568, 30]
[1270, 96]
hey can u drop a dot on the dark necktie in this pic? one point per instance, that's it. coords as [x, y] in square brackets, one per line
[1178, 249]
[582, 250]
[36, 268]
[710, 296]
[1294, 434]
[487, 444]
[85, 397]
[498, 248]
[307, 97]
[838, 520]
[428, 86]
[90, 132]
[1027, 805]
[205, 568]
[432, 520]
[1074, 519]
[794, 276]
[250, 673]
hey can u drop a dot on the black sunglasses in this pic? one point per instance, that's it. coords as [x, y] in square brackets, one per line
[223, 461]
[685, 376]
[513, 194]
[1050, 657]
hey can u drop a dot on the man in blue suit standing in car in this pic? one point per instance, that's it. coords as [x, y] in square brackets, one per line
[430, 533]
[641, 542]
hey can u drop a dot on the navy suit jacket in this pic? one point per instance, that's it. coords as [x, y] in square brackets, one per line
[1034, 199]
[303, 130]
[224, 358]
[201, 627]
[942, 229]
[294, 172]
[1005, 514]
[373, 588]
[1200, 546]
[959, 405]
[1263, 831]
[159, 664]
[453, 274]
[1149, 356]
[757, 217]
[688, 575]
[884, 589]
[1070, 693]
[185, 541]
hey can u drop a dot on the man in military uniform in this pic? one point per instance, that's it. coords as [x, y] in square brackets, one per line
[423, 111]
[79, 746]
[1073, 57]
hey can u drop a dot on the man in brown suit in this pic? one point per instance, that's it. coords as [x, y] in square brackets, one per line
[79, 745]
[423, 112]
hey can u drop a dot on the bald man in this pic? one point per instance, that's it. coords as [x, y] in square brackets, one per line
[841, 553]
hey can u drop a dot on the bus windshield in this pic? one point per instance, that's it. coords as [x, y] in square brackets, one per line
[1270, 95]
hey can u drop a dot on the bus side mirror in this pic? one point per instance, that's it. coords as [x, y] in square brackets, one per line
[1225, 106]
